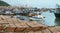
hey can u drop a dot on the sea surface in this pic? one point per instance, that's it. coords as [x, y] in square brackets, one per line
[49, 20]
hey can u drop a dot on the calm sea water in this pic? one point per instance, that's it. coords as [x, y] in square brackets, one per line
[49, 20]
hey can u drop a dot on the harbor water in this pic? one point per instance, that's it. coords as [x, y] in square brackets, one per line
[49, 20]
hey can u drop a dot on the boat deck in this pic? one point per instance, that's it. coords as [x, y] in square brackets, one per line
[14, 25]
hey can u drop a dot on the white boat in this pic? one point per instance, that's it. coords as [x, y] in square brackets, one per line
[8, 12]
[38, 12]
[37, 18]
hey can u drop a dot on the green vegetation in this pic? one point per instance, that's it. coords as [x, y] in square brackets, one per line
[2, 3]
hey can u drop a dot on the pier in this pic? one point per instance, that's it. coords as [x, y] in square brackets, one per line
[15, 25]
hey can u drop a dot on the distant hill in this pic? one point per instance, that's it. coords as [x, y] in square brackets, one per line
[2, 3]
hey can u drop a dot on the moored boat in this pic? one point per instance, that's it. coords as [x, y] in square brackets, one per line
[37, 18]
[57, 12]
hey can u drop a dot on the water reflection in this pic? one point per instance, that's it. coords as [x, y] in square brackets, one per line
[57, 21]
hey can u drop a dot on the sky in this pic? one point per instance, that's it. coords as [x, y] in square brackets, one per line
[34, 3]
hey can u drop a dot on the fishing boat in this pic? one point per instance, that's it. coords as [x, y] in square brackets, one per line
[37, 18]
[8, 12]
[20, 17]
[57, 12]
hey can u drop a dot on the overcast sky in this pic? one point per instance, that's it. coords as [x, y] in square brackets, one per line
[34, 3]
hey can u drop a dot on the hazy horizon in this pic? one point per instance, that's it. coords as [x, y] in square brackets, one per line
[34, 3]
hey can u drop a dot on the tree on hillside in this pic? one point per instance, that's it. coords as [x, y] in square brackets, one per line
[2, 3]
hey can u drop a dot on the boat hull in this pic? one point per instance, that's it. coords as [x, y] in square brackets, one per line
[57, 14]
[35, 19]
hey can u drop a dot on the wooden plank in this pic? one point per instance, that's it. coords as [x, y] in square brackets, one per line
[9, 20]
[36, 26]
[25, 32]
[30, 32]
[46, 31]
[18, 32]
[2, 17]
[37, 32]
[3, 22]
[14, 19]
[5, 25]
[8, 32]
[27, 28]
[20, 20]
[20, 26]
[57, 27]
[53, 30]
[1, 27]
[11, 27]
[24, 23]
[15, 32]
